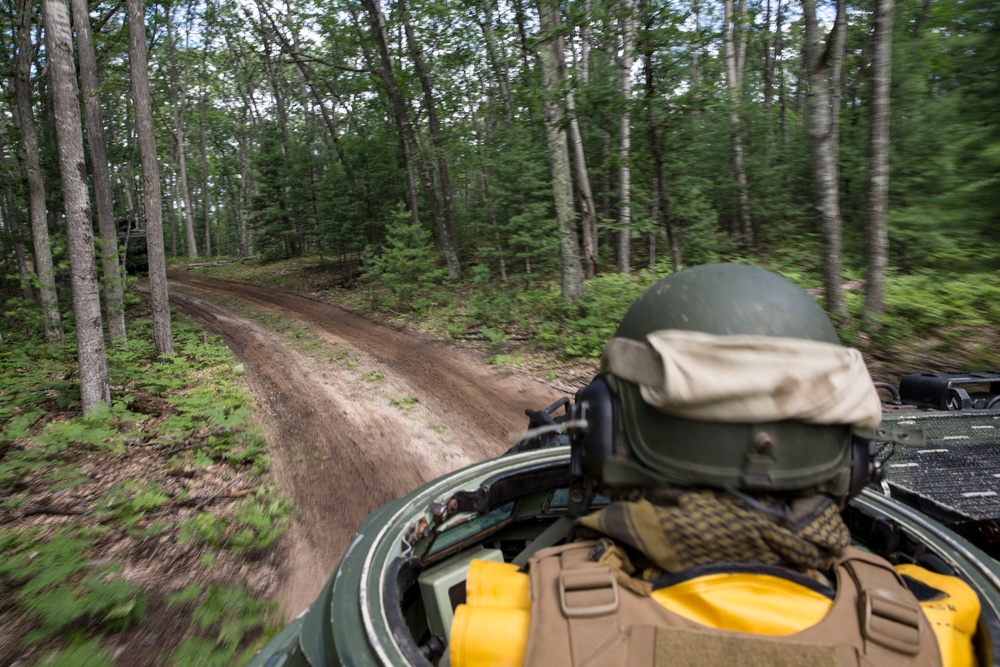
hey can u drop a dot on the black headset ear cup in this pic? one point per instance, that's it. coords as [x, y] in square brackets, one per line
[865, 468]
[592, 446]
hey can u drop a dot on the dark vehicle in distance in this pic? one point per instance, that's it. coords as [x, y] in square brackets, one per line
[132, 246]
[390, 600]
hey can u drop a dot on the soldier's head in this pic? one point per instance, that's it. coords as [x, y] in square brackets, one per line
[728, 376]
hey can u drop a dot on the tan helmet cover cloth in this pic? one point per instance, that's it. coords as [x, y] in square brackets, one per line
[744, 378]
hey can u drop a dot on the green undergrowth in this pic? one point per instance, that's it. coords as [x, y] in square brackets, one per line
[106, 517]
[933, 319]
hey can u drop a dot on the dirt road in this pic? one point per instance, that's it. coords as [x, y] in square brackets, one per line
[346, 434]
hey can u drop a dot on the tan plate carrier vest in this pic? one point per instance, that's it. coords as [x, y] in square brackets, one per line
[580, 616]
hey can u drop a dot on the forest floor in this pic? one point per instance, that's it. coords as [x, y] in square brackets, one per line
[357, 412]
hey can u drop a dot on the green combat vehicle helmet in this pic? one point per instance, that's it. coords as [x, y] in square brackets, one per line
[631, 443]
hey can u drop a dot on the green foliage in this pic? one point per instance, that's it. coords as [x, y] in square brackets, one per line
[97, 429]
[492, 304]
[599, 312]
[407, 267]
[228, 615]
[373, 376]
[258, 521]
[698, 222]
[56, 583]
[189, 593]
[22, 320]
[403, 401]
[505, 360]
[128, 501]
[923, 303]
[79, 653]
[204, 527]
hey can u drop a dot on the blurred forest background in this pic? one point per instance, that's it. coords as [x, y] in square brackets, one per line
[566, 151]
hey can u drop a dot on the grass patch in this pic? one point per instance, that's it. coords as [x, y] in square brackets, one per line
[403, 401]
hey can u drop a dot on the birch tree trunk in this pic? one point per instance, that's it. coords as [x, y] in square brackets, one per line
[627, 21]
[588, 211]
[114, 310]
[837, 73]
[206, 200]
[877, 248]
[782, 92]
[162, 334]
[734, 82]
[94, 386]
[25, 118]
[825, 171]
[552, 58]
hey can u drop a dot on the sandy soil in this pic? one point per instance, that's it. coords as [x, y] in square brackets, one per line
[341, 445]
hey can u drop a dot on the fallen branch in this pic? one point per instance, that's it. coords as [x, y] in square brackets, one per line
[198, 265]
[201, 501]
[53, 510]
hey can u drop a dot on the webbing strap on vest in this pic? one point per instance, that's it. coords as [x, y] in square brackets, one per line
[889, 616]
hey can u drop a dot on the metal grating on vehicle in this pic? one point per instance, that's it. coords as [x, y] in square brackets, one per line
[957, 471]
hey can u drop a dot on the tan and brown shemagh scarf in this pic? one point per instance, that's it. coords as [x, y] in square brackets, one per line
[683, 529]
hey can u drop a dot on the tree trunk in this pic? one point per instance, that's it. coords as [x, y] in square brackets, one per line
[695, 57]
[408, 141]
[552, 58]
[878, 163]
[825, 171]
[445, 219]
[310, 79]
[660, 204]
[162, 335]
[110, 270]
[36, 188]
[12, 219]
[497, 62]
[585, 44]
[627, 22]
[177, 112]
[206, 200]
[782, 92]
[588, 211]
[837, 72]
[94, 386]
[768, 80]
[734, 82]
[522, 33]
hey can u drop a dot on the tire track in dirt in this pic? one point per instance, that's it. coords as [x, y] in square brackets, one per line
[339, 448]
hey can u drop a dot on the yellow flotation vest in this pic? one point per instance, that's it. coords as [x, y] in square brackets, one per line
[492, 628]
